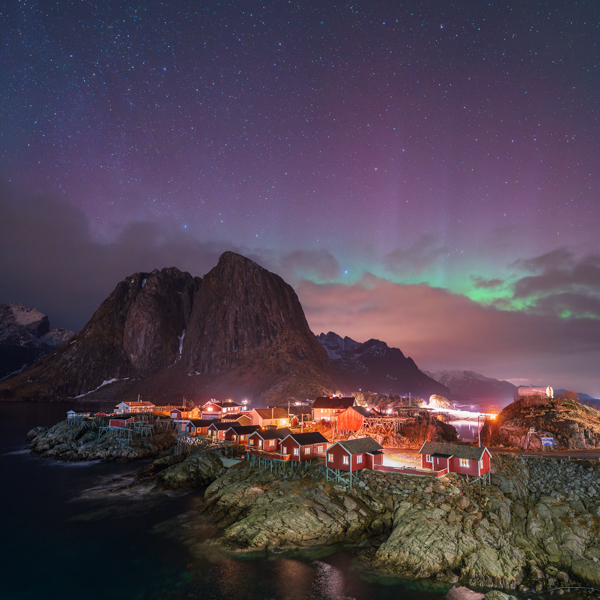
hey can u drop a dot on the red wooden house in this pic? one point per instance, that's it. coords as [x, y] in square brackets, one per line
[346, 457]
[197, 426]
[328, 408]
[353, 418]
[217, 429]
[472, 461]
[239, 433]
[215, 409]
[267, 439]
[304, 446]
[353, 455]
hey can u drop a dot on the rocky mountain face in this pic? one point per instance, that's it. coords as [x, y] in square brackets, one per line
[166, 334]
[569, 423]
[375, 366]
[25, 336]
[468, 386]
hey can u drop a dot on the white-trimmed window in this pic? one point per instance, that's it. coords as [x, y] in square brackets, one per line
[307, 450]
[284, 450]
[330, 457]
[295, 451]
[359, 459]
[481, 464]
[463, 463]
[319, 449]
[428, 458]
[251, 442]
[345, 460]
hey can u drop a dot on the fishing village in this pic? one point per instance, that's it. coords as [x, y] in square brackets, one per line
[331, 471]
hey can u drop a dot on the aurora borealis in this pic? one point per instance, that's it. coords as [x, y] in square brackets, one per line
[425, 173]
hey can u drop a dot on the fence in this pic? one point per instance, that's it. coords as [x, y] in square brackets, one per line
[412, 471]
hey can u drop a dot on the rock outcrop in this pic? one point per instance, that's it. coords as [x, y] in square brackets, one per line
[373, 365]
[569, 423]
[75, 442]
[534, 528]
[196, 470]
[25, 336]
[239, 332]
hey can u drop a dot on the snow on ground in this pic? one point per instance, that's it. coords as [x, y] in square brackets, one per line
[105, 382]
[25, 315]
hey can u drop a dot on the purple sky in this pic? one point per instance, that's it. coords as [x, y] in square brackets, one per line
[422, 173]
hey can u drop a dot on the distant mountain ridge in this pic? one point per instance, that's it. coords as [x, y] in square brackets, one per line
[376, 367]
[25, 336]
[471, 386]
[239, 331]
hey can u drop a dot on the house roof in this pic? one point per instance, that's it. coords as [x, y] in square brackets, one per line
[234, 416]
[361, 410]
[180, 408]
[136, 403]
[220, 426]
[470, 452]
[201, 422]
[274, 434]
[311, 437]
[360, 445]
[272, 413]
[223, 404]
[335, 402]
[244, 429]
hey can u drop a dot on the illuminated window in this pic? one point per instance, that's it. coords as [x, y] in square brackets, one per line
[284, 450]
[307, 450]
[295, 451]
[345, 460]
[464, 463]
[320, 449]
[330, 457]
[359, 458]
[481, 464]
[251, 442]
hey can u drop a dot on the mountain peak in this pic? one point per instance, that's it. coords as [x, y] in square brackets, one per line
[376, 367]
[238, 331]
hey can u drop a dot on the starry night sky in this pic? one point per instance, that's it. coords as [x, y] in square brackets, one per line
[425, 173]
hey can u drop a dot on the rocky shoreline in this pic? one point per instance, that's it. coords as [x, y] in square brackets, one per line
[73, 442]
[535, 528]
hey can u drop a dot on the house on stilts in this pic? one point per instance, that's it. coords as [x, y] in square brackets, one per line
[473, 462]
[345, 458]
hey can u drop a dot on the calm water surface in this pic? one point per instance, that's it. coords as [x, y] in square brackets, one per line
[54, 544]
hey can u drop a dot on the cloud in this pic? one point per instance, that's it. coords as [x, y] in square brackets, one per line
[416, 258]
[439, 329]
[310, 264]
[560, 282]
[50, 260]
[480, 282]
